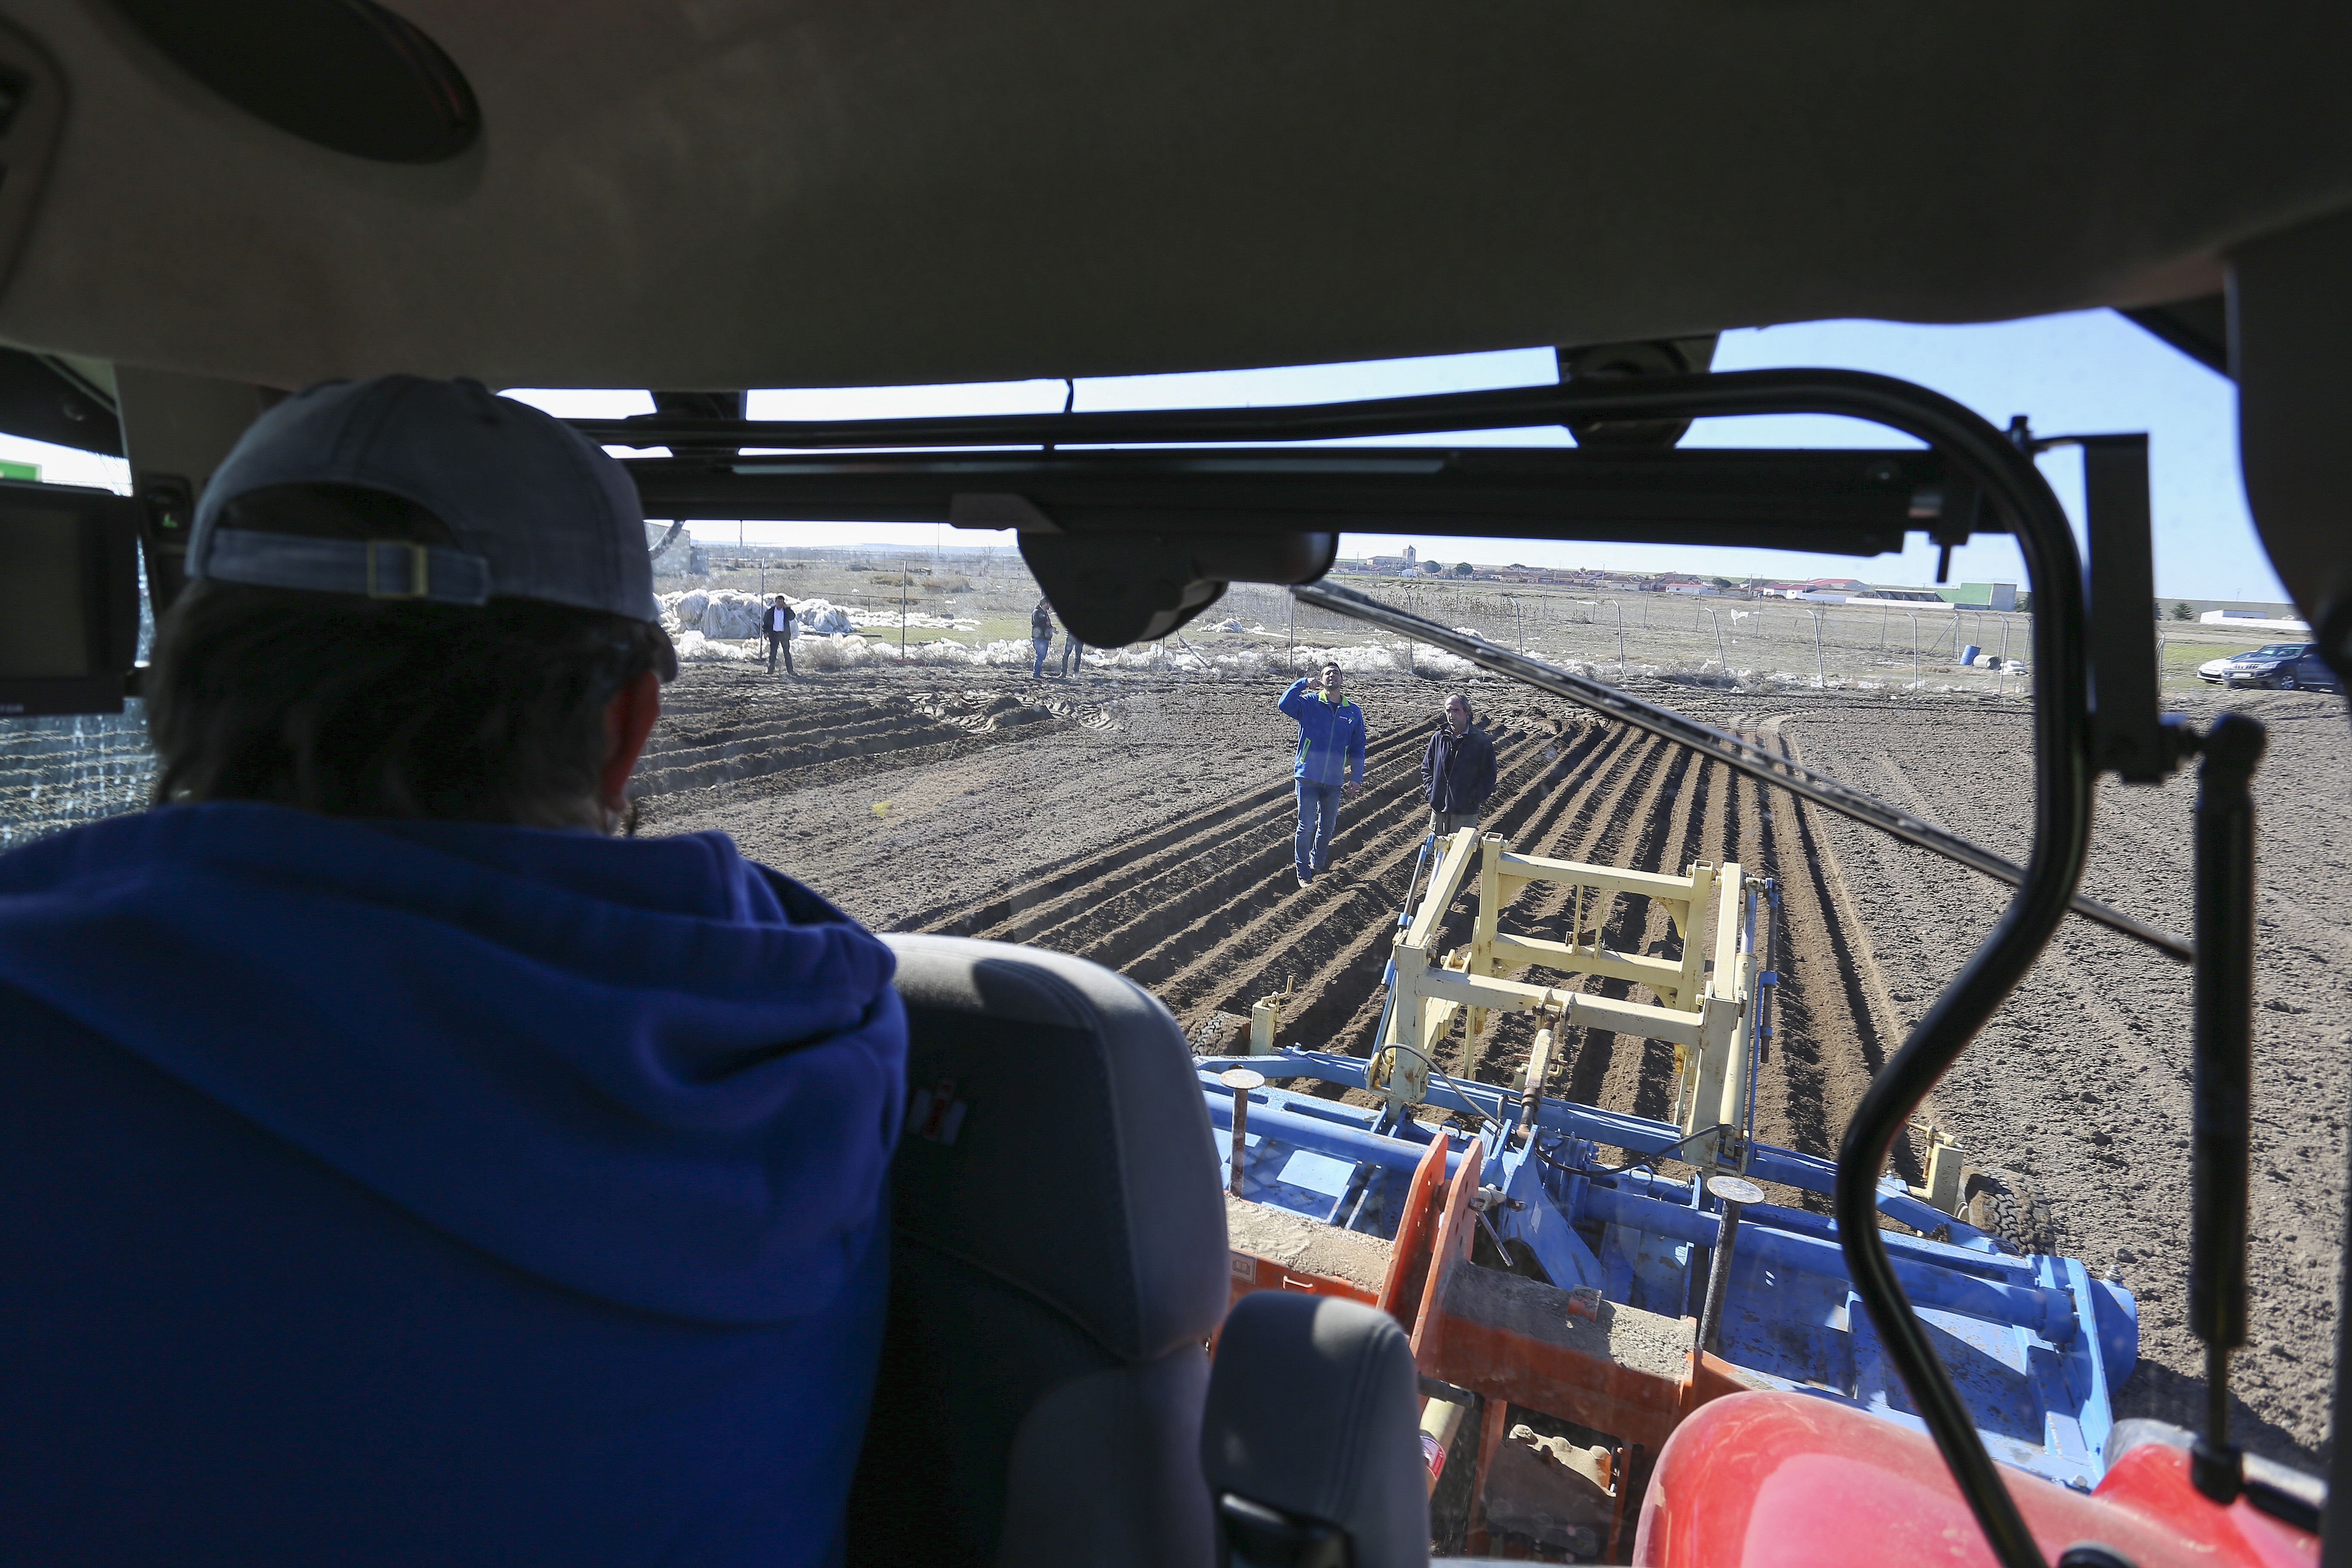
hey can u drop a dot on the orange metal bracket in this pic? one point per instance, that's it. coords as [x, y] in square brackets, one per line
[1408, 1256]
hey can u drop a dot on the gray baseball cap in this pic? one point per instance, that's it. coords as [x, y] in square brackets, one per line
[538, 510]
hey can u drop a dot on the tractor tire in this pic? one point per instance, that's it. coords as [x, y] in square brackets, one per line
[2010, 1208]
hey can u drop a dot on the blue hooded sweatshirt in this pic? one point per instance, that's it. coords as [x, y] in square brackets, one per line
[1331, 734]
[411, 1193]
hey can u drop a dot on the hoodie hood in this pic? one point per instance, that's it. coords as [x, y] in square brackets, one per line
[647, 1070]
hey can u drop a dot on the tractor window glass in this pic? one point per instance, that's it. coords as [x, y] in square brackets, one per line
[60, 772]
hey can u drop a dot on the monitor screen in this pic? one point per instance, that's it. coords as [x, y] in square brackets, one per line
[69, 598]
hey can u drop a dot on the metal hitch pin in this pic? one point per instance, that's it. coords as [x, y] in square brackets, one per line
[1735, 1195]
[1241, 1080]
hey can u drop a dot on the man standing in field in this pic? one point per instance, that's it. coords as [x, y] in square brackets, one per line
[1330, 744]
[779, 634]
[1041, 638]
[1457, 771]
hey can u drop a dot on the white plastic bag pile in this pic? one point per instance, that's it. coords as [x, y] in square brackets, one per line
[726, 614]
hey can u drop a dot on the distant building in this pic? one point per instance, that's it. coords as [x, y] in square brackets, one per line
[2253, 621]
[1901, 598]
[1999, 597]
[683, 557]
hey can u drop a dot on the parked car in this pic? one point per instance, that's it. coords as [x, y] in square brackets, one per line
[2287, 666]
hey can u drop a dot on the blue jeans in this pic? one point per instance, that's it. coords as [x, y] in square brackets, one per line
[1037, 671]
[1073, 653]
[1318, 814]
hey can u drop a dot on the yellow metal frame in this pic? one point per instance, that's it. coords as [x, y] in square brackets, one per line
[1702, 1000]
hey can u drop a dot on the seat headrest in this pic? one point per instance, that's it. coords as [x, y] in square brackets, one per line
[1315, 1409]
[1058, 1140]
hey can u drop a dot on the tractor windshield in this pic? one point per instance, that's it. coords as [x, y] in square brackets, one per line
[1417, 905]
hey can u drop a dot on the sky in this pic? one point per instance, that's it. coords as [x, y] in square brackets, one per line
[2084, 373]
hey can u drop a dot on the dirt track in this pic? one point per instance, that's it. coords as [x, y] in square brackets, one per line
[1145, 822]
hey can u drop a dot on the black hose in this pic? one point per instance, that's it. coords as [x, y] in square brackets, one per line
[1770, 768]
[2045, 885]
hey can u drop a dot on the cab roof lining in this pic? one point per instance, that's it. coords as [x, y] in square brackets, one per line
[724, 193]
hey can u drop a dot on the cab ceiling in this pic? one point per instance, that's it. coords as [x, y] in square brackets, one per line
[757, 193]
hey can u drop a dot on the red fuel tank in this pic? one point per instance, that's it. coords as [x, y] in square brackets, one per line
[1758, 1481]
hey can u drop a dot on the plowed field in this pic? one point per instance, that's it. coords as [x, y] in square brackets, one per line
[1145, 822]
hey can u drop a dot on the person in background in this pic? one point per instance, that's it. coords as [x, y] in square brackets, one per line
[1041, 636]
[1073, 653]
[780, 635]
[1458, 769]
[1330, 744]
[398, 1164]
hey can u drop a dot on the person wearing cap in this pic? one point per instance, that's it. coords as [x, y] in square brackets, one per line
[400, 1165]
[779, 634]
[1330, 743]
[1458, 769]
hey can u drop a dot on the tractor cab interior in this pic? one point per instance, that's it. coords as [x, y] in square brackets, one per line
[208, 208]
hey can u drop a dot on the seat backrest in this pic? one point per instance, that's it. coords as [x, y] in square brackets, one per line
[1058, 1262]
[1311, 1444]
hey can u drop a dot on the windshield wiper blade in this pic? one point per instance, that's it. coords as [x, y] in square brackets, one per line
[1780, 771]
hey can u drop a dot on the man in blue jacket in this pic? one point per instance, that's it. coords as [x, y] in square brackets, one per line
[1458, 769]
[395, 1166]
[1330, 762]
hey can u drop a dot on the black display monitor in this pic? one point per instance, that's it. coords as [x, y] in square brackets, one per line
[69, 598]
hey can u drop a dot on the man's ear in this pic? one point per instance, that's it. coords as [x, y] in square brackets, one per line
[628, 720]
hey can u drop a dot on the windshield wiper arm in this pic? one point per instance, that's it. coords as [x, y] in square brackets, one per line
[1780, 771]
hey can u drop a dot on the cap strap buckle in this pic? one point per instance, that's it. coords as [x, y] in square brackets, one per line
[388, 553]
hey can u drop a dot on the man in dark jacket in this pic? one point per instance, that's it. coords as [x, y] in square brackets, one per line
[1041, 638]
[1457, 770]
[779, 634]
[395, 1166]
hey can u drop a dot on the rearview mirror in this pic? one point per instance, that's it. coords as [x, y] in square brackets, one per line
[1113, 589]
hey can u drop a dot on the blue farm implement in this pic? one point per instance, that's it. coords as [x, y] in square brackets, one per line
[1543, 1255]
